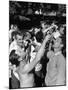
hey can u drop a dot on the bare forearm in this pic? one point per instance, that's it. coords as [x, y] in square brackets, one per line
[38, 57]
[39, 54]
[41, 51]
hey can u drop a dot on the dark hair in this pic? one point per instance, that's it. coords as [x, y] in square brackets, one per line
[13, 58]
[39, 36]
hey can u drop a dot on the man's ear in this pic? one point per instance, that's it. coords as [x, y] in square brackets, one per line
[61, 45]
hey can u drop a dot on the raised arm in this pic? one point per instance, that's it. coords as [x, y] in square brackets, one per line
[39, 55]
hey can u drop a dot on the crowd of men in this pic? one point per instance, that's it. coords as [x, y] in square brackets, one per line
[37, 56]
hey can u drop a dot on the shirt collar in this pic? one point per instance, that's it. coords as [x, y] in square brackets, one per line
[58, 53]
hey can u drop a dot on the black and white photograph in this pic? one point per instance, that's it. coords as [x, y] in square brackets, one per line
[37, 44]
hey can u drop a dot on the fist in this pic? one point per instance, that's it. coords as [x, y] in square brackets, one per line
[48, 37]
